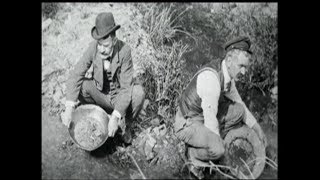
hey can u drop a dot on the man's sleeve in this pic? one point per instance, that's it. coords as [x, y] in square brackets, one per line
[76, 75]
[249, 119]
[208, 89]
[126, 76]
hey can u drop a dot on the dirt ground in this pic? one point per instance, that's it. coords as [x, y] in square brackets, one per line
[62, 159]
[62, 44]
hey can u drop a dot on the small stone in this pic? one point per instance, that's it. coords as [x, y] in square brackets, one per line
[165, 142]
[155, 122]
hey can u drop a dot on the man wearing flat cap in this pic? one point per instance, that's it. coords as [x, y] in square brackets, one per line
[104, 76]
[210, 106]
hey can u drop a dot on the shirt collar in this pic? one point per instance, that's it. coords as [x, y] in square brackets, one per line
[226, 76]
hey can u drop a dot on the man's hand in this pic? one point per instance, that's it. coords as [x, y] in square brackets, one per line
[113, 125]
[67, 114]
[89, 72]
[257, 128]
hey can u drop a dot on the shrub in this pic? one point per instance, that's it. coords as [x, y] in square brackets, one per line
[164, 78]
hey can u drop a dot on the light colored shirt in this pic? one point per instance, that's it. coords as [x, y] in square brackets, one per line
[208, 89]
[106, 65]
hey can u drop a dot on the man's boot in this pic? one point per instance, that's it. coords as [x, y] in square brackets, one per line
[126, 130]
[127, 137]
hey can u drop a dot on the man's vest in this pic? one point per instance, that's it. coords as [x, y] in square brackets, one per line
[190, 102]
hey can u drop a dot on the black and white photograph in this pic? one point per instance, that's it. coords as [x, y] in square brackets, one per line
[159, 90]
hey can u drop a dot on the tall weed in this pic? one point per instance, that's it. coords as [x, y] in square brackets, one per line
[164, 77]
[164, 80]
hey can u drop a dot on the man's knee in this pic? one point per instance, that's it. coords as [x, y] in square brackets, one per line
[86, 87]
[216, 148]
[216, 151]
[138, 93]
[237, 111]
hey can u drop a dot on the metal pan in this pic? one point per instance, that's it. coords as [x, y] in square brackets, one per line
[94, 113]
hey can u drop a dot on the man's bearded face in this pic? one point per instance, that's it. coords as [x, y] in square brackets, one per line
[238, 65]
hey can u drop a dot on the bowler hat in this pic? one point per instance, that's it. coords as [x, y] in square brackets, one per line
[104, 26]
[242, 43]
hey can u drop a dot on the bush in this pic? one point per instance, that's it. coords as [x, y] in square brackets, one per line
[164, 80]
[164, 77]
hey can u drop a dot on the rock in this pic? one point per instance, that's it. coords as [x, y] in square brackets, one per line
[57, 96]
[160, 130]
[155, 122]
[148, 150]
[274, 93]
[46, 24]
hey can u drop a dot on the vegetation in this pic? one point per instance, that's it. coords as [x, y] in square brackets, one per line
[49, 10]
[170, 42]
[204, 28]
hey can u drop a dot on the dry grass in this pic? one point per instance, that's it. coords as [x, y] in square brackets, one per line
[164, 78]
[236, 170]
[161, 24]
[272, 164]
[213, 166]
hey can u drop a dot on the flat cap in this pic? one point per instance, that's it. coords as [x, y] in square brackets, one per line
[242, 43]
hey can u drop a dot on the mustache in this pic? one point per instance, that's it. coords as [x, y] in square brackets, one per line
[105, 54]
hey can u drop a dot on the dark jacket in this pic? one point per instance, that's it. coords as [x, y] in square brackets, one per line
[121, 72]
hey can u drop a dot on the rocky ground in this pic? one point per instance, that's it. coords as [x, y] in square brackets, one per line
[63, 41]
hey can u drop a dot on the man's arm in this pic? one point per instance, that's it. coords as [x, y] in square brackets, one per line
[208, 89]
[124, 96]
[126, 76]
[76, 76]
[74, 83]
[249, 119]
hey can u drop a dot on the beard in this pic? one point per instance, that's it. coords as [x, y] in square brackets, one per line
[104, 56]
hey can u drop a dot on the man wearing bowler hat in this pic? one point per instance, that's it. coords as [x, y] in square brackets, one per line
[210, 106]
[104, 76]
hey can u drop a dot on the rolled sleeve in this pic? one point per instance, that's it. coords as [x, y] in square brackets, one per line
[208, 89]
[249, 119]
